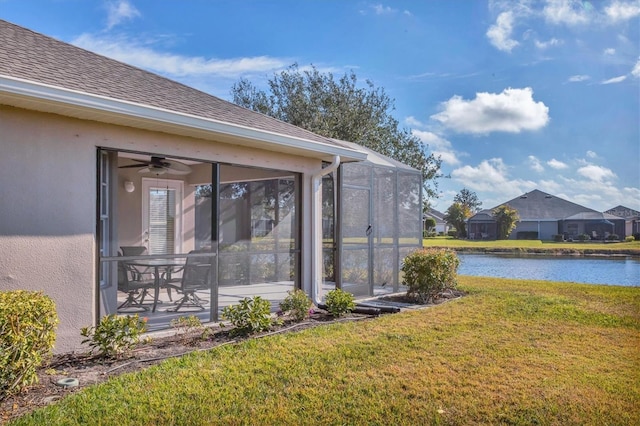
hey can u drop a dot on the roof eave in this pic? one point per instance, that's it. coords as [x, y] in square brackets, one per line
[46, 98]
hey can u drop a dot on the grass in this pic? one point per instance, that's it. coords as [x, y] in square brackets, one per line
[510, 352]
[534, 245]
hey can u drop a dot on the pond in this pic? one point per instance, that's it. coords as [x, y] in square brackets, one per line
[590, 270]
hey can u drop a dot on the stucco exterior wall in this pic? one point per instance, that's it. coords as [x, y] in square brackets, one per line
[48, 203]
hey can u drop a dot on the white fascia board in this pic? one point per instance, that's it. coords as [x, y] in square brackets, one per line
[111, 106]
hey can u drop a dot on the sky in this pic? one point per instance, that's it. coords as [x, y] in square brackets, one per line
[512, 95]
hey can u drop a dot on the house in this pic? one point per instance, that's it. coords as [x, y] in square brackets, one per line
[442, 227]
[125, 192]
[631, 217]
[543, 216]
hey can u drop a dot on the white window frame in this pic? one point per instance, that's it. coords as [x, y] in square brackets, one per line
[154, 183]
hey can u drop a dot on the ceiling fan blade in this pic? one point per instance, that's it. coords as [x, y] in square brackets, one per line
[153, 170]
[177, 168]
[132, 166]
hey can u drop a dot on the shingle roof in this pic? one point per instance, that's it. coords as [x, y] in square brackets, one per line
[593, 216]
[538, 205]
[31, 56]
[376, 158]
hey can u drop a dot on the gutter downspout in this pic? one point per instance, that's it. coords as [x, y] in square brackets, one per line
[316, 225]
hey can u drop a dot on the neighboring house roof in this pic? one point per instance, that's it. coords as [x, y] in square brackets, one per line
[438, 216]
[538, 205]
[68, 80]
[593, 216]
[624, 212]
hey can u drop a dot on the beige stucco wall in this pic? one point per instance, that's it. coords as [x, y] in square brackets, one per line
[48, 203]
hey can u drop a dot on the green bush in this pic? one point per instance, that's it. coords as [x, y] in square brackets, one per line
[583, 237]
[630, 239]
[28, 323]
[251, 315]
[297, 305]
[339, 302]
[428, 272]
[613, 237]
[558, 238]
[114, 335]
[186, 326]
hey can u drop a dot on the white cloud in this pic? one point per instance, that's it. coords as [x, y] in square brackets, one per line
[615, 80]
[596, 173]
[592, 154]
[513, 111]
[622, 11]
[492, 176]
[411, 121]
[567, 12]
[140, 54]
[557, 164]
[610, 51]
[119, 11]
[636, 69]
[547, 44]
[379, 9]
[535, 164]
[578, 78]
[439, 146]
[499, 34]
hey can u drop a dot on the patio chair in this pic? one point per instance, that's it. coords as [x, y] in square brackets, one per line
[136, 289]
[136, 271]
[195, 276]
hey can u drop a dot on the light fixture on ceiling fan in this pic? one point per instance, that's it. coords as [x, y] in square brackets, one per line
[159, 166]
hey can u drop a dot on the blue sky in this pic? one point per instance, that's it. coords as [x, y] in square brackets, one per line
[513, 95]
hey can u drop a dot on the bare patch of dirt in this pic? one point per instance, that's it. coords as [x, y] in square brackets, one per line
[91, 369]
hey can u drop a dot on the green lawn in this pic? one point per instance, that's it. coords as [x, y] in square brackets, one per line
[510, 352]
[533, 245]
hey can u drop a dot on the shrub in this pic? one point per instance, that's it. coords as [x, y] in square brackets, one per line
[250, 316]
[583, 237]
[629, 239]
[613, 237]
[428, 272]
[297, 305]
[452, 233]
[188, 325]
[339, 302]
[114, 335]
[558, 238]
[28, 322]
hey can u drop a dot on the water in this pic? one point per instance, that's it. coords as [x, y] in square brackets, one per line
[590, 270]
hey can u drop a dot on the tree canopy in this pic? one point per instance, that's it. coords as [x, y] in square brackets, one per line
[340, 109]
[456, 215]
[469, 199]
[506, 218]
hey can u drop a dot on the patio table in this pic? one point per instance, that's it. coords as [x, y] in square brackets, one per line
[160, 267]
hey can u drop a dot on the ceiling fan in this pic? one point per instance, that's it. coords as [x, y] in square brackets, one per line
[160, 166]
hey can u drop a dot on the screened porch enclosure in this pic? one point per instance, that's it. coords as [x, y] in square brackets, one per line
[193, 240]
[379, 203]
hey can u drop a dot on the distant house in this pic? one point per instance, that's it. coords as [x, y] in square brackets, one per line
[441, 225]
[543, 216]
[631, 217]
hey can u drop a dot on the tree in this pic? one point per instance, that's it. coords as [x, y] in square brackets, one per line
[469, 199]
[340, 109]
[506, 218]
[430, 224]
[456, 215]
